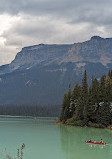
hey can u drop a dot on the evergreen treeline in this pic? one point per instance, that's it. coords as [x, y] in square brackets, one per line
[30, 110]
[89, 105]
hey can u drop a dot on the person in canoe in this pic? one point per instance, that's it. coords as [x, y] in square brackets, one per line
[94, 141]
[101, 141]
[90, 140]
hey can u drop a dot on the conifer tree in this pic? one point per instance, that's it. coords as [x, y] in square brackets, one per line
[66, 113]
[93, 99]
[94, 106]
[102, 89]
[64, 105]
[91, 107]
[85, 96]
[104, 114]
[74, 99]
[109, 88]
[79, 109]
[69, 111]
[76, 92]
[109, 73]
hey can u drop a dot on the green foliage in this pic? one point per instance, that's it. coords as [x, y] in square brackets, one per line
[64, 107]
[79, 109]
[102, 89]
[79, 123]
[91, 106]
[104, 114]
[95, 125]
[70, 121]
[85, 96]
[76, 92]
[93, 99]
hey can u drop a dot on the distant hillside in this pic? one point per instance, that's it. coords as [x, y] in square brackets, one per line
[40, 74]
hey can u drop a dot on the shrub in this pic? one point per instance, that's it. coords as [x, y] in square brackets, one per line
[79, 123]
[95, 125]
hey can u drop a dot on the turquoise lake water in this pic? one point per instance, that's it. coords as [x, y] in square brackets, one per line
[45, 140]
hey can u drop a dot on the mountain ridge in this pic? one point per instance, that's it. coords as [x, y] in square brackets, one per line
[72, 47]
[40, 74]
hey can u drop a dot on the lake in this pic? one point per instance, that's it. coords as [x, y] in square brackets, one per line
[45, 140]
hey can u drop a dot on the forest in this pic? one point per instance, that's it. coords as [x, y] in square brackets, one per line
[30, 110]
[89, 105]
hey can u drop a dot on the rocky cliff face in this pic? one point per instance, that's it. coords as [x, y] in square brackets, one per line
[96, 50]
[40, 74]
[37, 55]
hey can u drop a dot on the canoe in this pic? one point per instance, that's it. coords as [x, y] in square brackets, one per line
[95, 143]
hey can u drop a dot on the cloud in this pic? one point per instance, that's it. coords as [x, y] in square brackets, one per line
[29, 22]
[40, 30]
[98, 11]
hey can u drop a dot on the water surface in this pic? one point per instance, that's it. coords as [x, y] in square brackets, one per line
[46, 140]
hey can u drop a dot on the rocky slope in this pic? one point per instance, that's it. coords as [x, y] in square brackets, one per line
[41, 74]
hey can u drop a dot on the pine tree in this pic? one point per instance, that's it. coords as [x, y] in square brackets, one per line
[104, 114]
[64, 105]
[109, 73]
[85, 96]
[91, 107]
[69, 111]
[109, 87]
[79, 108]
[66, 113]
[76, 92]
[102, 89]
[74, 99]
[93, 99]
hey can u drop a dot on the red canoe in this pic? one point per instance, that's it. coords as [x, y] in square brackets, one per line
[95, 143]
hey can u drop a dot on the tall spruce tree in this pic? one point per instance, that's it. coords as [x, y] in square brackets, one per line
[66, 113]
[69, 111]
[79, 109]
[76, 92]
[63, 116]
[109, 88]
[102, 89]
[93, 99]
[85, 96]
[104, 114]
[74, 99]
[91, 107]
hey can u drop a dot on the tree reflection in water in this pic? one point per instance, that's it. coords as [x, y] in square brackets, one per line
[73, 142]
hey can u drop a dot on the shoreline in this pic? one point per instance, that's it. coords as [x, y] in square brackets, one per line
[58, 122]
[17, 116]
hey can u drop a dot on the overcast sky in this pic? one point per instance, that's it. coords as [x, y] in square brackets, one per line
[30, 22]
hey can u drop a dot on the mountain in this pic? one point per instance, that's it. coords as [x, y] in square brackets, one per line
[40, 74]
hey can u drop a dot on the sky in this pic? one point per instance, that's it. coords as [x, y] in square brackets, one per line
[31, 22]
